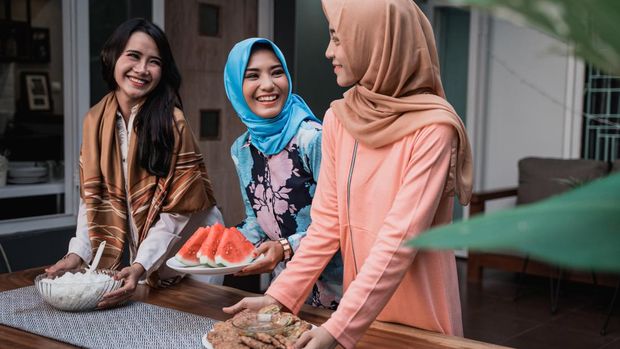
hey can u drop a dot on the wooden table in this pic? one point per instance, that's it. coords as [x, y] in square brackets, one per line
[207, 300]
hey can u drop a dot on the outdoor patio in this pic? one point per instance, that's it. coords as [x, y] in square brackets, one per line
[491, 315]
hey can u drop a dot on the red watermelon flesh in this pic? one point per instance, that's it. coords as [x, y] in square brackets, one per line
[187, 253]
[234, 249]
[207, 251]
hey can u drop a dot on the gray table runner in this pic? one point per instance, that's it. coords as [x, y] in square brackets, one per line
[136, 325]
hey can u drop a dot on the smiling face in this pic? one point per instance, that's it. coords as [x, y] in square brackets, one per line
[335, 53]
[265, 85]
[137, 70]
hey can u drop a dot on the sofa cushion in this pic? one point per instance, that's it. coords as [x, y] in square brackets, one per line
[540, 178]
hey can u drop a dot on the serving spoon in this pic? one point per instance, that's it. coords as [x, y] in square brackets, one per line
[95, 263]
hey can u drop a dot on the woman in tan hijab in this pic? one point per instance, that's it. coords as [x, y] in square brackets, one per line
[394, 155]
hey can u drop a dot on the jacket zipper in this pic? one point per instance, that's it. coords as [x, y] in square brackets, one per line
[353, 156]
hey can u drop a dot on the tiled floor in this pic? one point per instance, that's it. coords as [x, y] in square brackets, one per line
[491, 315]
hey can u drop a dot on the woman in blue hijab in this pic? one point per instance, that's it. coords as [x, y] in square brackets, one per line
[277, 161]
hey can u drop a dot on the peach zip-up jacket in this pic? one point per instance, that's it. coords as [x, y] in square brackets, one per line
[368, 203]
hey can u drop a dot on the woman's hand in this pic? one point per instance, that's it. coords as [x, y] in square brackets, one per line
[274, 254]
[69, 262]
[316, 338]
[130, 276]
[252, 303]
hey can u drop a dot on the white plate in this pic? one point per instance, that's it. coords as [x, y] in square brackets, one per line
[172, 263]
[27, 171]
[26, 180]
[205, 341]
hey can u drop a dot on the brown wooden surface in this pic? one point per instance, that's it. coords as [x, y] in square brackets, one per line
[207, 300]
[478, 199]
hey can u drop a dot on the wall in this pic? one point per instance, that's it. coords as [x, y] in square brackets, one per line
[314, 79]
[526, 101]
[103, 18]
[520, 120]
[284, 32]
[201, 60]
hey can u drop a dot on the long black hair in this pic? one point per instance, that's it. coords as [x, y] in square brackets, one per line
[154, 123]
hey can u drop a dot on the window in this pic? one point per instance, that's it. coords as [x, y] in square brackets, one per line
[208, 20]
[32, 117]
[209, 124]
[601, 116]
[42, 135]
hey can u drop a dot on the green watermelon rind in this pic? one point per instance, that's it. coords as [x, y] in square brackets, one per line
[205, 261]
[185, 262]
[223, 263]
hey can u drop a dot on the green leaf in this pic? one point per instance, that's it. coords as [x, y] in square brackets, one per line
[590, 26]
[578, 229]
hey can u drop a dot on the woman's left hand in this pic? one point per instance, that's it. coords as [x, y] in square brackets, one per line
[130, 276]
[273, 254]
[318, 338]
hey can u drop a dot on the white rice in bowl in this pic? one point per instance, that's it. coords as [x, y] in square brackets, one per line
[77, 291]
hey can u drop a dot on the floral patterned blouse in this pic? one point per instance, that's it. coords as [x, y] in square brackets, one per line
[277, 193]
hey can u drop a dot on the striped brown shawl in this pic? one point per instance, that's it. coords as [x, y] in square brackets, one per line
[184, 190]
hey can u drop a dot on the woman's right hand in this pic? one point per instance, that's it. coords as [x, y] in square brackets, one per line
[69, 262]
[252, 303]
[273, 253]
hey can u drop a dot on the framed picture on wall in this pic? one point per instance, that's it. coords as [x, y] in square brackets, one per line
[36, 91]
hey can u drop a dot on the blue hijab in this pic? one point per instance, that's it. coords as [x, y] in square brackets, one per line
[270, 136]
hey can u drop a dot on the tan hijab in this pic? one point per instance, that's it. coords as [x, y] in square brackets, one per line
[185, 189]
[390, 48]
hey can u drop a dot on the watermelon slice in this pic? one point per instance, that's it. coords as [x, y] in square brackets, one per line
[234, 249]
[206, 253]
[187, 253]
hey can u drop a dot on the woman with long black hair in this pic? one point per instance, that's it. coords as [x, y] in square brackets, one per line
[143, 181]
